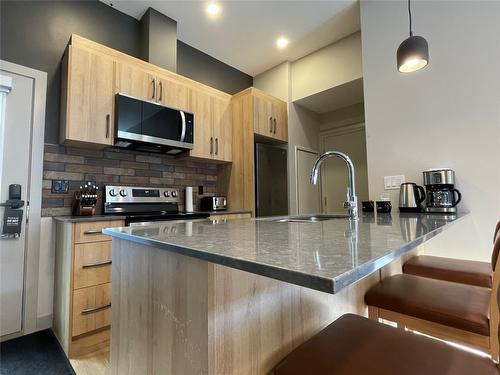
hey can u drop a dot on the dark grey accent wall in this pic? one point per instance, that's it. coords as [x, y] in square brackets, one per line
[204, 68]
[35, 34]
[159, 39]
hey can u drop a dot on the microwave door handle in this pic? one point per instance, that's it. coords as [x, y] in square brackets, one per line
[183, 131]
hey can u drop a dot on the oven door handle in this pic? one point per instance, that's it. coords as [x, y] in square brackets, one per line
[183, 131]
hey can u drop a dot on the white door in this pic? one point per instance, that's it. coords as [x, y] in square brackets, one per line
[308, 195]
[15, 150]
[334, 172]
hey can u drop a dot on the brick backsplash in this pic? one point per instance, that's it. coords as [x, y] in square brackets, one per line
[119, 166]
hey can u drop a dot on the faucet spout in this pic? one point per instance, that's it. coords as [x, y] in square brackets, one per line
[351, 204]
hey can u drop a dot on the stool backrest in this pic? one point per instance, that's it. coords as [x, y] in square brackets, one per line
[495, 299]
[496, 246]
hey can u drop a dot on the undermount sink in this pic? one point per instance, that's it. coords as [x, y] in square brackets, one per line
[309, 218]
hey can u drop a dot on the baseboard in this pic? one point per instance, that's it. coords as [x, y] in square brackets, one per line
[44, 322]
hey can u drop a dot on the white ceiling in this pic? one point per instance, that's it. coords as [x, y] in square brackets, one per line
[245, 32]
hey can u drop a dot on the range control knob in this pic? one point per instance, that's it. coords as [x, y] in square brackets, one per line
[112, 192]
[166, 194]
[123, 193]
[174, 194]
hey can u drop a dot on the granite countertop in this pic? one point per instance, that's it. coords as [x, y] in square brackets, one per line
[226, 212]
[82, 219]
[326, 256]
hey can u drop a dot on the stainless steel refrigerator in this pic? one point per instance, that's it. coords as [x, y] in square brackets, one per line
[271, 180]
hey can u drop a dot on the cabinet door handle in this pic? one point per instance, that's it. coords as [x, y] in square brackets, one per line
[92, 231]
[161, 90]
[154, 89]
[98, 264]
[107, 125]
[211, 145]
[270, 124]
[216, 146]
[96, 309]
[275, 125]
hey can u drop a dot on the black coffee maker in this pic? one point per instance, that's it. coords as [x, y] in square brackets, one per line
[441, 195]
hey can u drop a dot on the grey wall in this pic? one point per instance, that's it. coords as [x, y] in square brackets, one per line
[159, 39]
[35, 34]
[445, 115]
[201, 67]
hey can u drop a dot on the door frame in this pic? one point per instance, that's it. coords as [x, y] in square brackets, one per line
[334, 132]
[311, 151]
[33, 215]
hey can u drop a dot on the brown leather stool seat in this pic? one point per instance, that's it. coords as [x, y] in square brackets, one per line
[353, 345]
[461, 306]
[448, 269]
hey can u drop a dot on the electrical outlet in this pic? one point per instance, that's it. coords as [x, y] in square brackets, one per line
[60, 186]
[393, 182]
[200, 189]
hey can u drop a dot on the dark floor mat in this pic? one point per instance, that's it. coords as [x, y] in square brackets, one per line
[35, 354]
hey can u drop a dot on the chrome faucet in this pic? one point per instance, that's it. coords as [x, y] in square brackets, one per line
[352, 201]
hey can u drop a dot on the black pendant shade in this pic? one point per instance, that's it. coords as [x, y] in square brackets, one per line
[413, 54]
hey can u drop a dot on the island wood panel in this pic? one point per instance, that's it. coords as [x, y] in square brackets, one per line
[180, 315]
[159, 312]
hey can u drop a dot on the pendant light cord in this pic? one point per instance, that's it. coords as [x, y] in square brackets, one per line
[409, 16]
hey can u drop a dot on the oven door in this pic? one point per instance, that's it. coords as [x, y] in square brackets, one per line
[149, 122]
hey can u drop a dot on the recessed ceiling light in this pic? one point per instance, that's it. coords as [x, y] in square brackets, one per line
[281, 42]
[213, 9]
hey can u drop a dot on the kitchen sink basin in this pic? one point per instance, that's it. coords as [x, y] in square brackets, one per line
[308, 218]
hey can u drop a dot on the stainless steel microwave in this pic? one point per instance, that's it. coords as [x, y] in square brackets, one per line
[151, 127]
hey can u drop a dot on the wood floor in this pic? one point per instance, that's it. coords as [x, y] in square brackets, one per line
[96, 363]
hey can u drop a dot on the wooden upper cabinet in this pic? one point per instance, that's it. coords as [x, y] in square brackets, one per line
[87, 108]
[92, 76]
[172, 93]
[212, 126]
[134, 81]
[262, 115]
[222, 128]
[203, 138]
[280, 115]
[270, 116]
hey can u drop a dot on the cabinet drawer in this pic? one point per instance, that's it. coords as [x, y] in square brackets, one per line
[91, 231]
[92, 264]
[91, 308]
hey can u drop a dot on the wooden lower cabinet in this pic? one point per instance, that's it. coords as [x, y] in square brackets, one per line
[82, 287]
[91, 309]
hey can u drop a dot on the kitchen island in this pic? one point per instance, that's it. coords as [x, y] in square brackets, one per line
[205, 297]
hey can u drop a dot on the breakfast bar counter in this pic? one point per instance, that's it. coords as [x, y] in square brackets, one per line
[234, 297]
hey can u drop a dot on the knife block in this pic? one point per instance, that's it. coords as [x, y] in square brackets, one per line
[79, 209]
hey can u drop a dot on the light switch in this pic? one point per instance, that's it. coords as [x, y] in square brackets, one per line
[393, 182]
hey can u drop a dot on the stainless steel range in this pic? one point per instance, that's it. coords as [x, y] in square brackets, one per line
[145, 204]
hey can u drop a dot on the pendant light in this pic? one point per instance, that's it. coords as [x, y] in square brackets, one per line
[413, 52]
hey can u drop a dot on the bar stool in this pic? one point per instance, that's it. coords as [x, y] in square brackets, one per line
[456, 270]
[461, 313]
[355, 345]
